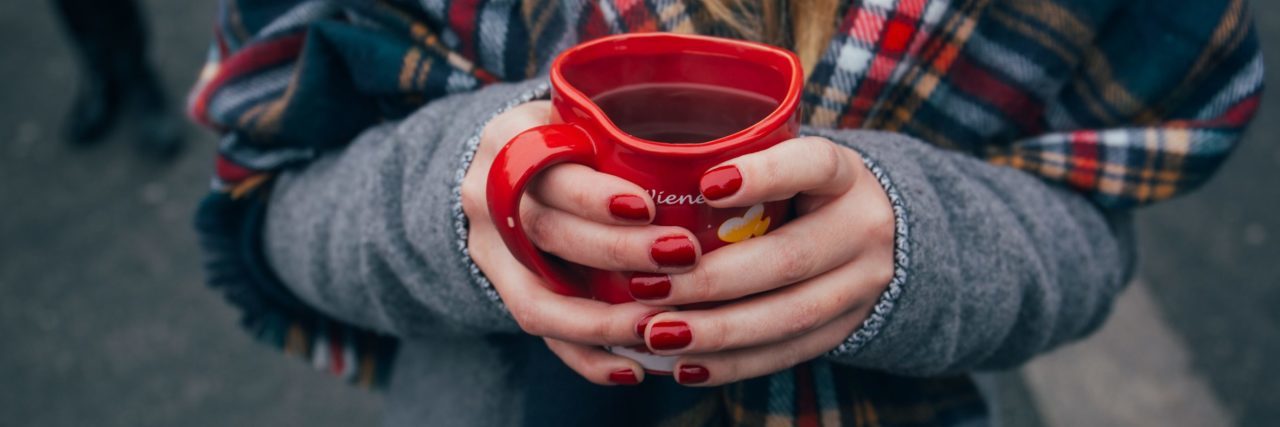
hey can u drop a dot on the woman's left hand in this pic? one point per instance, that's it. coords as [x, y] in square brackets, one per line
[794, 293]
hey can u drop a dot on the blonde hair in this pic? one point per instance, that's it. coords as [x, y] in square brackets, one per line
[804, 26]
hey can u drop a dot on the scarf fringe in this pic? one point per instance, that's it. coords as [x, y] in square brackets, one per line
[229, 229]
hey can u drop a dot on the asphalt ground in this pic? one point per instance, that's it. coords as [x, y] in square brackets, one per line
[1212, 259]
[106, 322]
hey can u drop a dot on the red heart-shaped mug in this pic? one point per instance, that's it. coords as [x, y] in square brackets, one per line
[659, 110]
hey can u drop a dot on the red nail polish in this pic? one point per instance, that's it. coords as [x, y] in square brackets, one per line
[644, 323]
[673, 251]
[646, 286]
[671, 335]
[692, 374]
[629, 207]
[624, 377]
[721, 182]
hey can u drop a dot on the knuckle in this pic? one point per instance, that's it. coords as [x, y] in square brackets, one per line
[530, 321]
[883, 223]
[540, 228]
[700, 286]
[473, 201]
[496, 133]
[793, 264]
[715, 340]
[770, 171]
[790, 356]
[806, 317]
[561, 184]
[580, 198]
[601, 332]
[830, 161]
[616, 250]
[840, 303]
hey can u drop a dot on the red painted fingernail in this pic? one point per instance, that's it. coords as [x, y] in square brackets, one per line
[624, 377]
[629, 207]
[647, 286]
[644, 323]
[673, 251]
[692, 374]
[671, 335]
[721, 182]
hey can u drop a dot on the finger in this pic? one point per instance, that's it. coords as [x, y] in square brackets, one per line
[499, 131]
[609, 247]
[809, 165]
[495, 135]
[607, 199]
[801, 249]
[596, 364]
[544, 313]
[776, 316]
[705, 370]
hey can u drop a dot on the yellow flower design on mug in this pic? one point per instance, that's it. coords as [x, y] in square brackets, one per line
[751, 224]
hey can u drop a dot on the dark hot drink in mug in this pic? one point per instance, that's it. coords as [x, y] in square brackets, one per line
[683, 113]
[658, 110]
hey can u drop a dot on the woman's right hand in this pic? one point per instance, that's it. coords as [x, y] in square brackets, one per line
[585, 217]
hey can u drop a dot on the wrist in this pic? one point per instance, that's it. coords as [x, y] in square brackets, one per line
[892, 241]
[468, 192]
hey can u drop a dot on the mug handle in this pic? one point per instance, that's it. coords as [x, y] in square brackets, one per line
[526, 155]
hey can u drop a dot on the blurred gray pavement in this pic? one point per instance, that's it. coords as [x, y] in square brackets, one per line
[105, 317]
[1212, 259]
[106, 321]
[1135, 371]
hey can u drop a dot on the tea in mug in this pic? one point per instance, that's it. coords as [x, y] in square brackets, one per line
[683, 113]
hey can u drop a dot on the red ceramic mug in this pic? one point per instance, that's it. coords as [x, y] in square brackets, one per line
[658, 110]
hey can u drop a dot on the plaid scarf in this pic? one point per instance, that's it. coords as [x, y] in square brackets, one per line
[1127, 102]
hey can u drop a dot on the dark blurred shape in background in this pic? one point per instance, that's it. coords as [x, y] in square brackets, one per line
[106, 321]
[116, 79]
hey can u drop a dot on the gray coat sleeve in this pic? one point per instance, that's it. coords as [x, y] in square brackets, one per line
[992, 265]
[374, 234]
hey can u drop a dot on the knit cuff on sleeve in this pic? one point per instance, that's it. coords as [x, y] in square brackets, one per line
[461, 225]
[901, 256]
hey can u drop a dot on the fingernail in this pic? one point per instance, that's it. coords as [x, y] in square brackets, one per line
[644, 323]
[625, 377]
[721, 182]
[692, 374]
[673, 251]
[648, 286]
[671, 335]
[629, 207]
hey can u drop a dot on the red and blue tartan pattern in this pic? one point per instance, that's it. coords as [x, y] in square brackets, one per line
[867, 51]
[1127, 102]
[1024, 84]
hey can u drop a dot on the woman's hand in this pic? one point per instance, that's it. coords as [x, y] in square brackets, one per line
[603, 224]
[798, 291]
